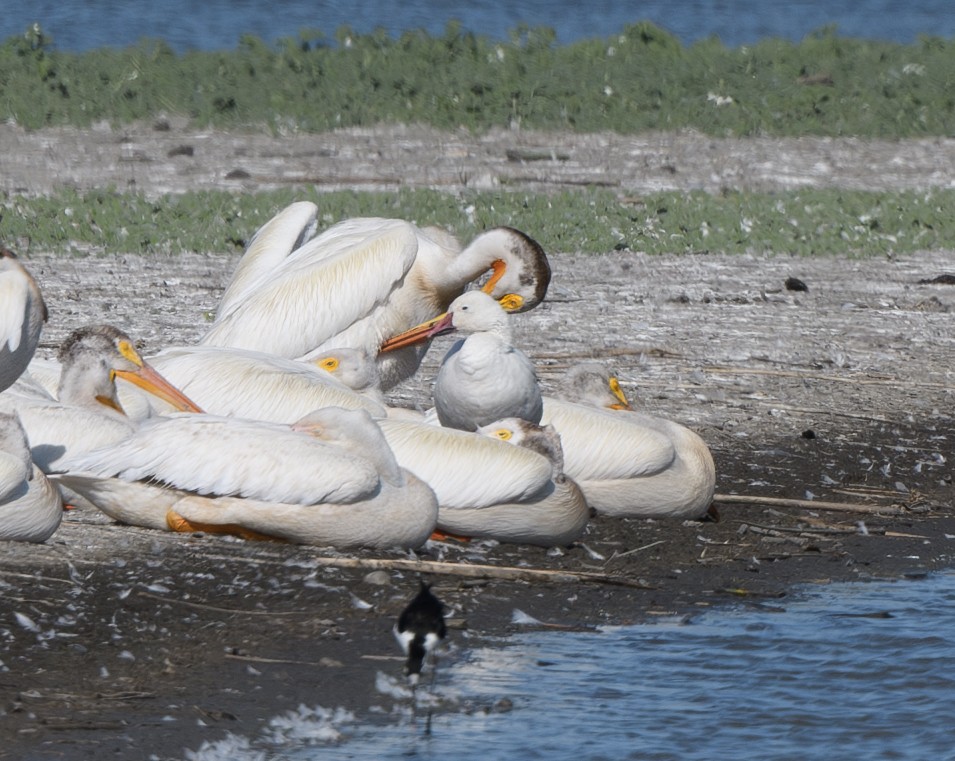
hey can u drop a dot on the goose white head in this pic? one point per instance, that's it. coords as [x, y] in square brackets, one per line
[474, 312]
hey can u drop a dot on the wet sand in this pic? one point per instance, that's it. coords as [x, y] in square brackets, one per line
[121, 642]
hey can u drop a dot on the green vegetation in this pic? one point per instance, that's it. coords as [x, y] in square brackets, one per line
[641, 79]
[805, 222]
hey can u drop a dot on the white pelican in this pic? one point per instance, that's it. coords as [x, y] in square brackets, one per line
[357, 370]
[252, 384]
[366, 279]
[629, 463]
[483, 377]
[87, 413]
[22, 314]
[30, 506]
[329, 480]
[487, 488]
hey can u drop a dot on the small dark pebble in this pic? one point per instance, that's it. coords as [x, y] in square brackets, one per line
[181, 150]
[238, 174]
[795, 284]
[939, 280]
[809, 434]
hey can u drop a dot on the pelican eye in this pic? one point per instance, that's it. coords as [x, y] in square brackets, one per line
[503, 434]
[329, 363]
[129, 352]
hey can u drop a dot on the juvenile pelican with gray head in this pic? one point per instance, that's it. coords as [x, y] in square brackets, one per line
[87, 412]
[628, 463]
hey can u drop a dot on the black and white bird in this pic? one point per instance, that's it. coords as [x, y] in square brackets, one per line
[419, 629]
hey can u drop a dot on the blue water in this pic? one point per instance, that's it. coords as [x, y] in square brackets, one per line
[78, 25]
[847, 672]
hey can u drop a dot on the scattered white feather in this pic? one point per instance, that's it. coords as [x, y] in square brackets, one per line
[520, 617]
[26, 622]
[388, 685]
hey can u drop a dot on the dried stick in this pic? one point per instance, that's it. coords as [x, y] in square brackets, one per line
[478, 571]
[809, 504]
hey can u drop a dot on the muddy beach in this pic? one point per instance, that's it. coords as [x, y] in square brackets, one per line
[838, 400]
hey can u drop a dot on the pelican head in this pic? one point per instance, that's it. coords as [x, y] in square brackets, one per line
[542, 439]
[593, 384]
[93, 357]
[520, 278]
[353, 367]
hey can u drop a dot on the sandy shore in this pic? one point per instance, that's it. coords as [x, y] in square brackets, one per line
[137, 644]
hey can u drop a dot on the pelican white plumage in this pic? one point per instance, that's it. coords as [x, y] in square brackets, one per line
[364, 280]
[252, 384]
[22, 314]
[330, 479]
[357, 370]
[87, 412]
[629, 463]
[483, 377]
[30, 506]
[487, 488]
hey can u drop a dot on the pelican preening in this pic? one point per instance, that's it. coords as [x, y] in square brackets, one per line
[329, 479]
[364, 280]
[22, 314]
[30, 506]
[297, 443]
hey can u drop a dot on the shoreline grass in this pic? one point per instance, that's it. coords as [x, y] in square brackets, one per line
[808, 222]
[639, 80]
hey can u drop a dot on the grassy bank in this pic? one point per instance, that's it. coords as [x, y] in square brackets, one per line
[805, 222]
[641, 79]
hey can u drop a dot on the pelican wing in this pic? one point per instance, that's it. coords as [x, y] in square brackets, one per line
[267, 251]
[467, 469]
[250, 384]
[325, 286]
[214, 455]
[55, 430]
[602, 444]
[14, 302]
[14, 474]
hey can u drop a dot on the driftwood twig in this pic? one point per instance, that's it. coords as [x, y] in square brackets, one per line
[808, 504]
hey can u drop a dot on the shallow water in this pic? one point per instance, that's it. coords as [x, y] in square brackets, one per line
[851, 671]
[79, 25]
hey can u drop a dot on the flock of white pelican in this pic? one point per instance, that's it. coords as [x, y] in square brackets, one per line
[277, 425]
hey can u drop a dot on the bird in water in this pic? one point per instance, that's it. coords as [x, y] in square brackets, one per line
[419, 630]
[22, 314]
[363, 280]
[483, 377]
